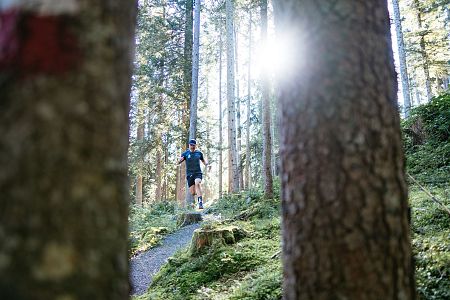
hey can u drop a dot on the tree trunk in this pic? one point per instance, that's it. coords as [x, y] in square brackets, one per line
[423, 51]
[267, 139]
[158, 176]
[232, 152]
[220, 117]
[140, 141]
[195, 66]
[63, 187]
[249, 95]
[402, 58]
[345, 227]
[238, 114]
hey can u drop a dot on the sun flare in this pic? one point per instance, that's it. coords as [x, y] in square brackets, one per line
[277, 57]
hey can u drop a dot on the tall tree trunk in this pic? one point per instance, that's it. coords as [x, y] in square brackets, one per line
[267, 139]
[63, 187]
[232, 152]
[140, 141]
[423, 51]
[158, 191]
[238, 112]
[402, 58]
[195, 66]
[345, 227]
[188, 43]
[220, 116]
[249, 95]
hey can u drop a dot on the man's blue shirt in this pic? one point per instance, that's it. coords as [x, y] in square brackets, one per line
[192, 161]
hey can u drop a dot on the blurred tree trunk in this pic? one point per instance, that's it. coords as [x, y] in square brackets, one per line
[63, 153]
[249, 95]
[232, 151]
[402, 58]
[267, 139]
[345, 227]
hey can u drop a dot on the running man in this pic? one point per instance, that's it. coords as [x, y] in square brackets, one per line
[193, 170]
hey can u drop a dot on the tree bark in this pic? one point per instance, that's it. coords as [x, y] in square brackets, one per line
[220, 117]
[402, 58]
[423, 51]
[195, 66]
[249, 95]
[344, 197]
[140, 141]
[238, 113]
[232, 152]
[267, 139]
[63, 232]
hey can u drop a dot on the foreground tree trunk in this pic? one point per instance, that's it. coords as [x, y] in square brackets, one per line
[63, 152]
[345, 227]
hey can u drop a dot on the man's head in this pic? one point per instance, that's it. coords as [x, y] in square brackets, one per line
[192, 144]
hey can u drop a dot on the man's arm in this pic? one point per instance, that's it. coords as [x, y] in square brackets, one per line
[181, 159]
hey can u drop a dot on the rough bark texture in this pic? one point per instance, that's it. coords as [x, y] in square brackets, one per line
[344, 199]
[402, 58]
[232, 151]
[267, 138]
[63, 157]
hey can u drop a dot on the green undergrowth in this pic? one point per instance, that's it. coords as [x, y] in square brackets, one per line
[431, 243]
[249, 269]
[148, 225]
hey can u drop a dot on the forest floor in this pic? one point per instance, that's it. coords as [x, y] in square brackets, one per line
[148, 263]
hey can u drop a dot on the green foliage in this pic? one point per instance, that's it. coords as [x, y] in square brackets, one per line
[245, 270]
[427, 141]
[431, 244]
[183, 276]
[263, 284]
[147, 225]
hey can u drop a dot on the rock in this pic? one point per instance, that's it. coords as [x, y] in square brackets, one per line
[208, 237]
[188, 218]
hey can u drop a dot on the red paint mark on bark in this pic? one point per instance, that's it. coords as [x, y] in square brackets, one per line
[37, 44]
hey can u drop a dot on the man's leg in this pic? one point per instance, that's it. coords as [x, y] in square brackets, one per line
[191, 184]
[198, 190]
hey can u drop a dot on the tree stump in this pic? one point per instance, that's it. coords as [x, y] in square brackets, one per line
[208, 237]
[188, 218]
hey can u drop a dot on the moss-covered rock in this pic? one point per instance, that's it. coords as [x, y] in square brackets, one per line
[188, 218]
[208, 237]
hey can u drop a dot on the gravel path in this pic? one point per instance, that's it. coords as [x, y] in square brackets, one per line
[147, 264]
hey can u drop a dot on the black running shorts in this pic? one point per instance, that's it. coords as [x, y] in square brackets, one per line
[191, 178]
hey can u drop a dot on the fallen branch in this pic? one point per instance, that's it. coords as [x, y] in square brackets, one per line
[430, 195]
